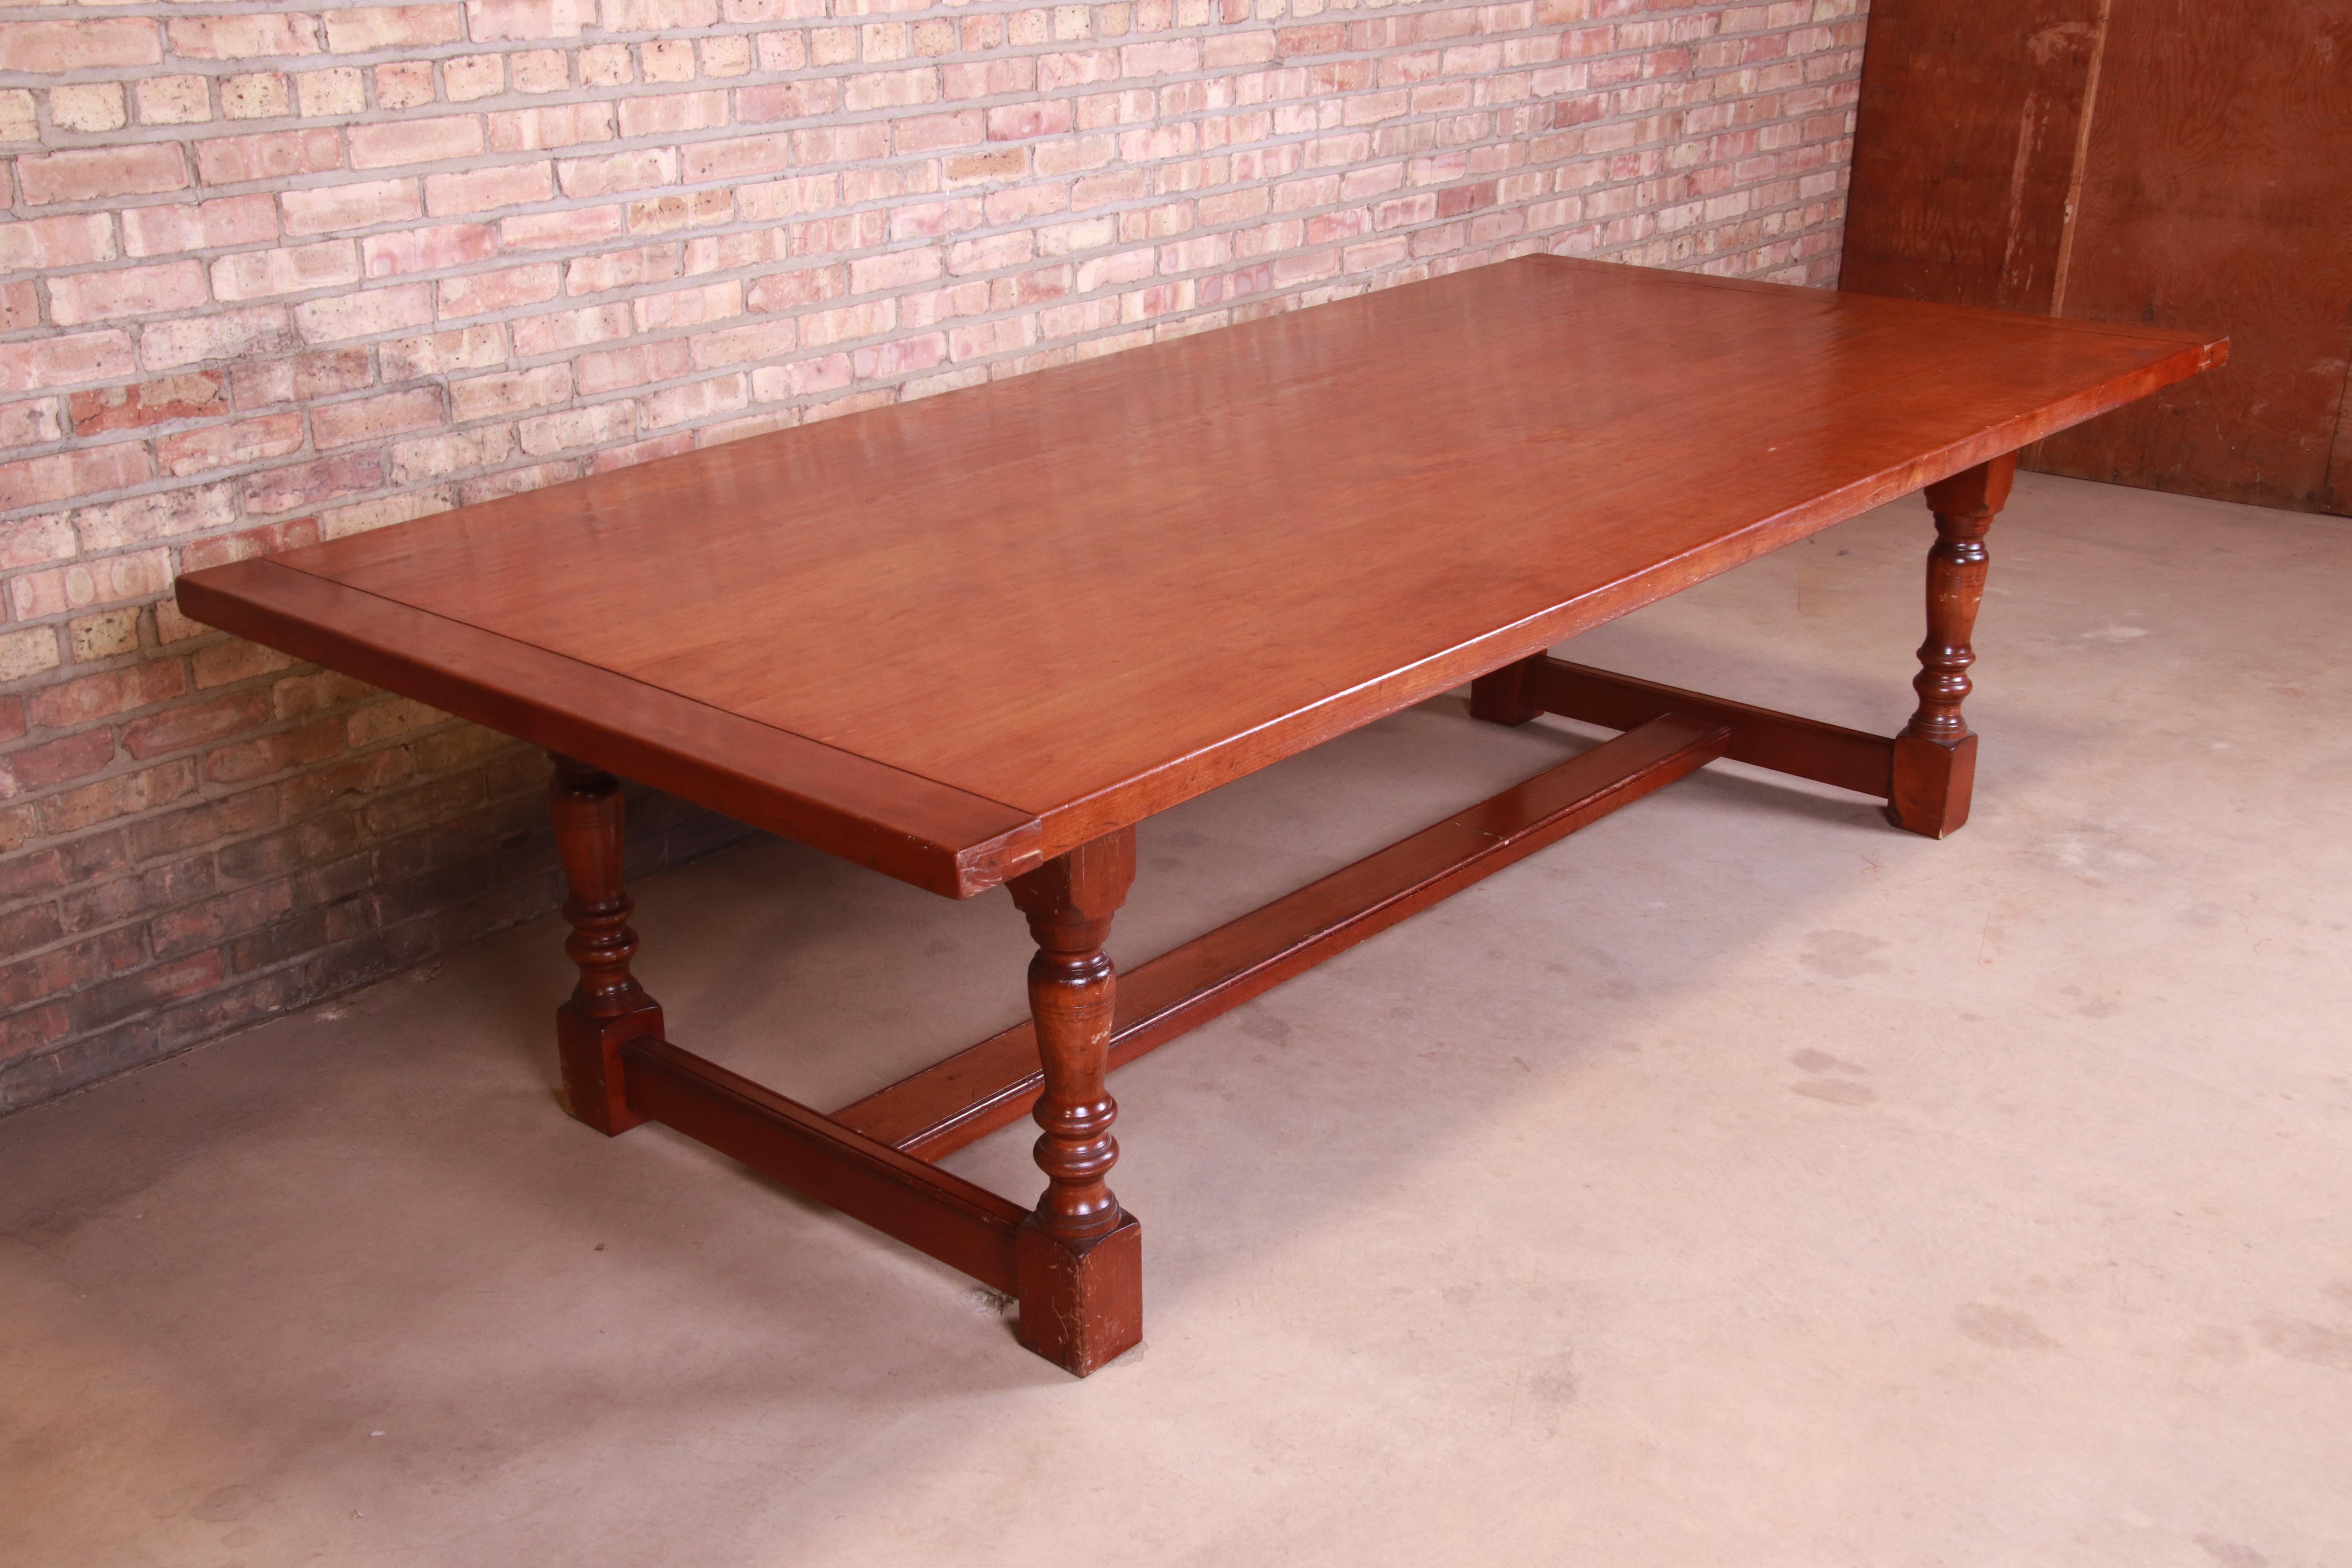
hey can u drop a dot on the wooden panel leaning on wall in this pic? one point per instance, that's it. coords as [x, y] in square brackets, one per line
[2165, 163]
[992, 631]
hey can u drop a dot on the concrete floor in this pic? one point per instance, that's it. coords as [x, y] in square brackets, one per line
[1740, 1182]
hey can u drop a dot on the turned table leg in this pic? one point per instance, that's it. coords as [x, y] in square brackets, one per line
[1935, 756]
[609, 1006]
[1079, 1255]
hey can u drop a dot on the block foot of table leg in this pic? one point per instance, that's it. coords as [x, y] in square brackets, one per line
[1933, 781]
[1500, 696]
[1081, 1301]
[588, 1049]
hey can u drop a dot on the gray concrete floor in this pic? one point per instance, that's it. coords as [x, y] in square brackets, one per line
[1740, 1182]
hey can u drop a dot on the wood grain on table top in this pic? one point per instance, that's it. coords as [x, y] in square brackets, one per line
[1090, 592]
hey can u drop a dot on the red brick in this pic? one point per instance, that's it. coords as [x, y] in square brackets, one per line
[70, 240]
[204, 823]
[117, 999]
[361, 205]
[78, 584]
[194, 724]
[477, 293]
[365, 313]
[21, 1034]
[226, 663]
[70, 475]
[85, 297]
[94, 697]
[426, 249]
[354, 29]
[487, 190]
[558, 125]
[374, 419]
[489, 396]
[54, 762]
[308, 484]
[221, 334]
[243, 37]
[36, 422]
[571, 226]
[143, 519]
[226, 445]
[271, 155]
[96, 173]
[414, 141]
[266, 754]
[190, 396]
[737, 158]
[491, 20]
[246, 544]
[199, 226]
[64, 968]
[215, 920]
[48, 48]
[49, 363]
[302, 378]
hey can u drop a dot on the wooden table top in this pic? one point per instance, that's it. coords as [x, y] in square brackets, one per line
[950, 636]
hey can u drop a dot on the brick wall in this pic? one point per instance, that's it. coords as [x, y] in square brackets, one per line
[271, 273]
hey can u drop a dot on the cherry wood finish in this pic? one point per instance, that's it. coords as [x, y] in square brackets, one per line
[913, 828]
[971, 641]
[1935, 756]
[961, 1224]
[1807, 748]
[1076, 598]
[1081, 1256]
[993, 1084]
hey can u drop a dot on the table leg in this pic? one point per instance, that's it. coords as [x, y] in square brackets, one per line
[1499, 697]
[609, 1006]
[1079, 1255]
[1935, 756]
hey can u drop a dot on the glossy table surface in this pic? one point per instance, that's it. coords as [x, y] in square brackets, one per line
[952, 637]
